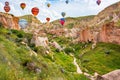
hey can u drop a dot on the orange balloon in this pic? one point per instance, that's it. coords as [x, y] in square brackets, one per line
[48, 19]
[22, 5]
[7, 8]
[35, 11]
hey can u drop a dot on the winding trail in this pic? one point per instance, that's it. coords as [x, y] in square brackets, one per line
[79, 71]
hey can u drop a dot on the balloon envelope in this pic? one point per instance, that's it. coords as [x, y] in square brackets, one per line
[67, 1]
[23, 23]
[48, 19]
[6, 3]
[63, 19]
[48, 5]
[63, 14]
[98, 2]
[7, 8]
[22, 5]
[35, 11]
[62, 22]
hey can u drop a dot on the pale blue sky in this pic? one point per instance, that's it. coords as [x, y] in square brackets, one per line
[74, 8]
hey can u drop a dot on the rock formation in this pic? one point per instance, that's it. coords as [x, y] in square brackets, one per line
[108, 33]
[114, 75]
[40, 41]
[9, 21]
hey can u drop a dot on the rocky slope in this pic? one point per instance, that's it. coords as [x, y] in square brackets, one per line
[110, 13]
[107, 33]
[104, 27]
[45, 52]
[9, 21]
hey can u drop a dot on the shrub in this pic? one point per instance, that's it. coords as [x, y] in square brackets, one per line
[69, 50]
[40, 50]
[70, 26]
[19, 34]
[107, 52]
[1, 25]
[18, 40]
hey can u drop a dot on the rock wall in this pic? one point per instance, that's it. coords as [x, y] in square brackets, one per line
[85, 35]
[113, 75]
[9, 21]
[108, 33]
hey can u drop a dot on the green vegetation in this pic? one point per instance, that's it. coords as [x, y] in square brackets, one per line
[118, 23]
[103, 59]
[70, 26]
[81, 18]
[30, 18]
[15, 57]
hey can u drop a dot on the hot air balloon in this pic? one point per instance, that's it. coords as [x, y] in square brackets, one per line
[7, 8]
[22, 5]
[98, 2]
[23, 23]
[62, 21]
[63, 14]
[48, 19]
[35, 11]
[48, 5]
[6, 3]
[67, 1]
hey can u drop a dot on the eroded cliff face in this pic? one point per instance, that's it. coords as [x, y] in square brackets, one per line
[108, 33]
[9, 21]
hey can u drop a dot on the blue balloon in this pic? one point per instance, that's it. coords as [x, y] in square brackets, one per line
[63, 14]
[23, 23]
[62, 19]
[67, 1]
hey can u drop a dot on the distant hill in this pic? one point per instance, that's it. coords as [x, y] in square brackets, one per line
[111, 13]
[75, 21]
[30, 18]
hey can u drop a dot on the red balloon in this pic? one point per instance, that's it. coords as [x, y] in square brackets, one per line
[35, 11]
[7, 8]
[6, 3]
[48, 19]
[62, 22]
[22, 5]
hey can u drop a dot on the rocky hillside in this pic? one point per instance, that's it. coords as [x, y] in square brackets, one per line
[111, 13]
[71, 22]
[20, 59]
[50, 51]
[105, 26]
[9, 21]
[24, 56]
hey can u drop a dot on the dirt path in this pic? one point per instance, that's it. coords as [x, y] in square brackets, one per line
[79, 71]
